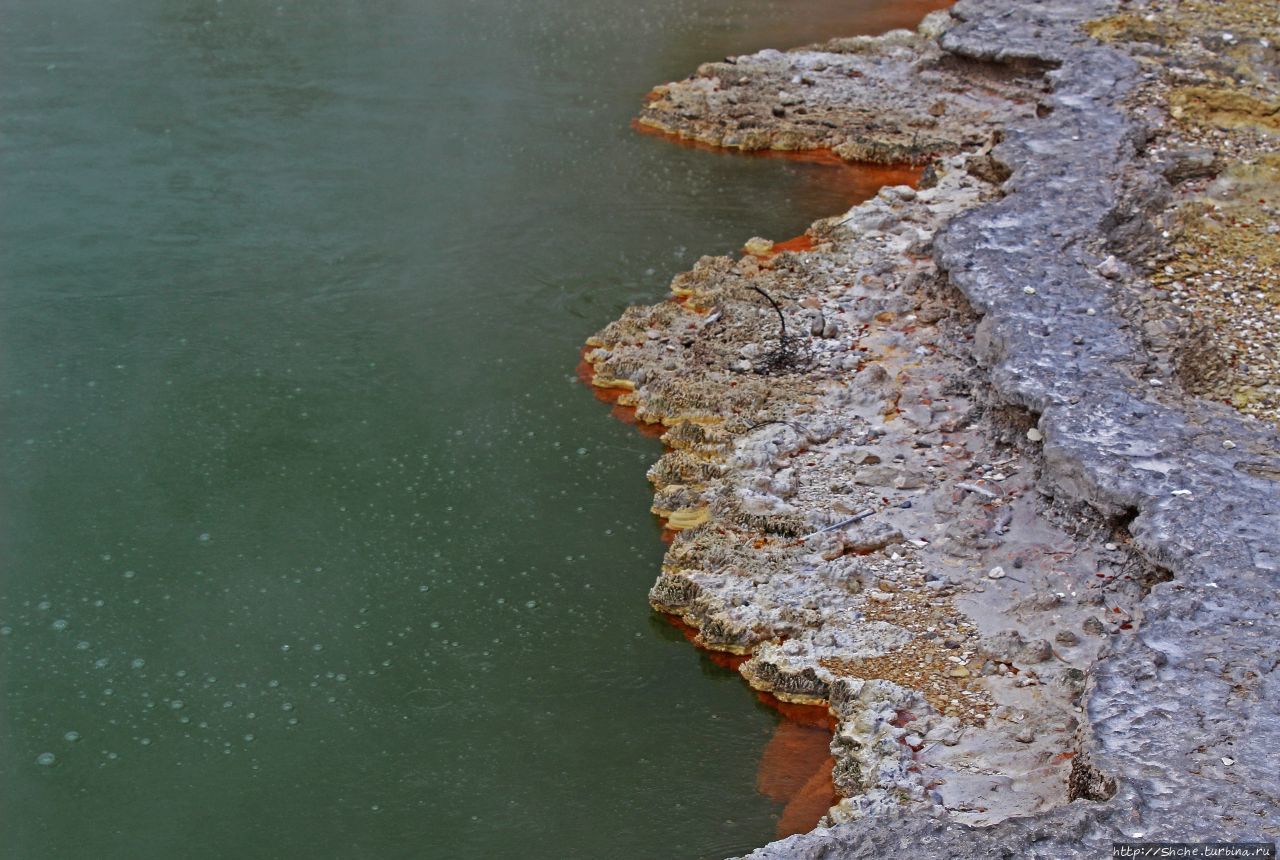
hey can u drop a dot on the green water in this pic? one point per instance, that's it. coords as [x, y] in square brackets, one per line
[310, 546]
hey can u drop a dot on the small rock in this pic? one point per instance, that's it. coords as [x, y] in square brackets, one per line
[1228, 444]
[1037, 651]
[1093, 626]
[1031, 291]
[1025, 735]
[996, 573]
[1109, 268]
[959, 672]
[1034, 435]
[1066, 637]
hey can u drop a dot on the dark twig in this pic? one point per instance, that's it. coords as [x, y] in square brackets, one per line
[794, 427]
[782, 321]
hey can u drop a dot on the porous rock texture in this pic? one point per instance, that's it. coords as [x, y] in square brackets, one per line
[928, 473]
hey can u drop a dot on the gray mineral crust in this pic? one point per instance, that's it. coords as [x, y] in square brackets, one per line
[927, 474]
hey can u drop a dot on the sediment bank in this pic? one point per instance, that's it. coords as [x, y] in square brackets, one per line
[933, 468]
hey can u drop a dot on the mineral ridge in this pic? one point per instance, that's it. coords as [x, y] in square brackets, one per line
[937, 469]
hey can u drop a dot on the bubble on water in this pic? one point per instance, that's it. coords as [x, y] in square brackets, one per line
[59, 625]
[273, 683]
[129, 574]
[435, 625]
[227, 704]
[531, 604]
[317, 647]
[6, 630]
[287, 706]
[284, 647]
[248, 738]
[101, 662]
[204, 537]
[177, 704]
[146, 742]
[46, 759]
[181, 673]
[138, 663]
[340, 677]
[43, 605]
[82, 645]
[71, 737]
[293, 721]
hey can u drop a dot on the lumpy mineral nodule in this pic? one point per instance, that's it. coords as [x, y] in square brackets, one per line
[311, 545]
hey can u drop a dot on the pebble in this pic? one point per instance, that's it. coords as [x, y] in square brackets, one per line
[996, 573]
[1066, 637]
[1034, 435]
[1025, 735]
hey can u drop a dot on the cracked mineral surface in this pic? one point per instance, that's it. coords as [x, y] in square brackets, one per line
[933, 466]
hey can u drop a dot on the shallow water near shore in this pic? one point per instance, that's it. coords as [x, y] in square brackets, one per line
[311, 544]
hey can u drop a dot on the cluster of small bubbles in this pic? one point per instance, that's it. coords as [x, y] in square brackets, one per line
[273, 683]
[59, 624]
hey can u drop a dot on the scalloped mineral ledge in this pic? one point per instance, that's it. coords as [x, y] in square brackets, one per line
[937, 490]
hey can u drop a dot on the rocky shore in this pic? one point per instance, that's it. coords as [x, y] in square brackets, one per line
[941, 466]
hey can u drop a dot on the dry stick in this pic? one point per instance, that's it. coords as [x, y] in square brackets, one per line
[853, 519]
[794, 427]
[782, 321]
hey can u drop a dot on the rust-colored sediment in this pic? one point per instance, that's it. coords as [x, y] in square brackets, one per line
[795, 767]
